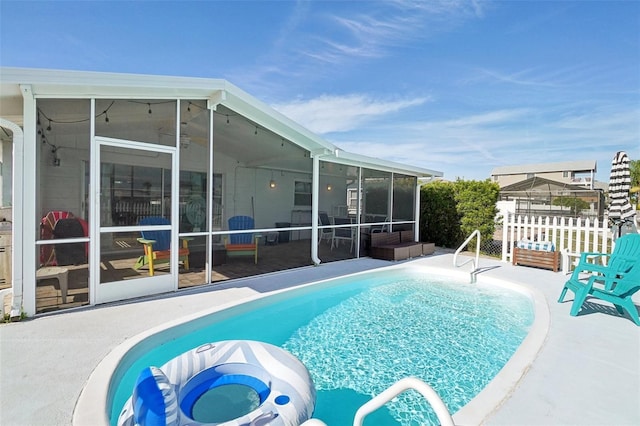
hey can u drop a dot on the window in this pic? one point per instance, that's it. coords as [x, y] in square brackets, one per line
[133, 192]
[302, 193]
[530, 175]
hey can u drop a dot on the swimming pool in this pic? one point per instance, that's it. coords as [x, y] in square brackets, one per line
[359, 334]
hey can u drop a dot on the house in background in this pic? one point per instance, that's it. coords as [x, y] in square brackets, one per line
[544, 197]
[109, 150]
[564, 189]
[581, 173]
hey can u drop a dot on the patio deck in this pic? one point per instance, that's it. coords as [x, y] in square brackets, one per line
[586, 373]
[271, 258]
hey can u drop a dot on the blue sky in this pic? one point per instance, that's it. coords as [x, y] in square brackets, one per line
[456, 86]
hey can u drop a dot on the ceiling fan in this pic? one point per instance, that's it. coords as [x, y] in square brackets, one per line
[185, 137]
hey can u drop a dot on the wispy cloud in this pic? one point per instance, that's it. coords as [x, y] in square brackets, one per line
[328, 114]
[471, 146]
[317, 37]
[528, 77]
[388, 24]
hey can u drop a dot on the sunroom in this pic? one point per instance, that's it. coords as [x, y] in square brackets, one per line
[104, 167]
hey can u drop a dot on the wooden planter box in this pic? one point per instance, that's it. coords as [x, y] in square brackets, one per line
[537, 258]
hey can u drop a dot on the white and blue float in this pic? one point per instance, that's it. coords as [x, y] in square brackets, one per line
[230, 383]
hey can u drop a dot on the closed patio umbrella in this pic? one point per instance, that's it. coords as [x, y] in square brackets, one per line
[621, 214]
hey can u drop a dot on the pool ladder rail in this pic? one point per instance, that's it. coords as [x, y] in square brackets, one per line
[444, 417]
[475, 263]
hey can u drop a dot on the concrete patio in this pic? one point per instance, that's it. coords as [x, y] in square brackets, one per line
[587, 371]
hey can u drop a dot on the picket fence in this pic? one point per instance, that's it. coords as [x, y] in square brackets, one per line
[570, 235]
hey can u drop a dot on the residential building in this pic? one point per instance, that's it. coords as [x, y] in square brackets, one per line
[107, 150]
[581, 173]
[538, 196]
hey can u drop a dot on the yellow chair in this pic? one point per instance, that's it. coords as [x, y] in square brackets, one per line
[157, 246]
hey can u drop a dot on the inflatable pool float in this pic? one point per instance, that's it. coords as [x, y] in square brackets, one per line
[230, 383]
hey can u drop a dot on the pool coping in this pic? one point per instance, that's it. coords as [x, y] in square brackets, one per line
[87, 410]
[500, 388]
[93, 403]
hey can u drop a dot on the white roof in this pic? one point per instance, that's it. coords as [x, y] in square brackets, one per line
[565, 166]
[82, 84]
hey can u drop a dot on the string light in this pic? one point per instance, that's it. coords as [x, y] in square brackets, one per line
[44, 141]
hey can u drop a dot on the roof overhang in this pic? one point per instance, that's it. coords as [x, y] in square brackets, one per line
[349, 158]
[46, 83]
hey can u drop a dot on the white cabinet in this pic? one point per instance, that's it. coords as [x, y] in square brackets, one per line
[301, 217]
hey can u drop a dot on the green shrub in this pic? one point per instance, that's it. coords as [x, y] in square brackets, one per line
[451, 211]
[439, 218]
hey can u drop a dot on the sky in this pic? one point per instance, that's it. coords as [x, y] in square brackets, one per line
[455, 86]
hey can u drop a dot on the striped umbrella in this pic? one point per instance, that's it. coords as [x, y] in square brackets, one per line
[620, 210]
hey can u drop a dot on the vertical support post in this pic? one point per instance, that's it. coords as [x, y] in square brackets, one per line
[17, 200]
[95, 246]
[25, 168]
[315, 183]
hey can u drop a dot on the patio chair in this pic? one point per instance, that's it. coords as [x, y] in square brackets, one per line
[617, 288]
[244, 244]
[157, 246]
[71, 253]
[626, 253]
[342, 234]
[47, 225]
[325, 233]
[379, 228]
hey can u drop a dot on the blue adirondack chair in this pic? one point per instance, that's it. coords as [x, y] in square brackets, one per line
[243, 244]
[157, 246]
[615, 283]
[625, 254]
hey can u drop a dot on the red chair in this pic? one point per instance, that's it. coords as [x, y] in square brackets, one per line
[47, 225]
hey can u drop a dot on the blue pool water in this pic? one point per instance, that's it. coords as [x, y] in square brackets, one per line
[358, 335]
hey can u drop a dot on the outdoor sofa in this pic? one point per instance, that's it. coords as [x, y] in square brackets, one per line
[397, 245]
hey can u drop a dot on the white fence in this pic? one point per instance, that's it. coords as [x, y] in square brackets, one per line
[568, 234]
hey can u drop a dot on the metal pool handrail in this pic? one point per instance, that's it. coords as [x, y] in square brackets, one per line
[475, 264]
[444, 417]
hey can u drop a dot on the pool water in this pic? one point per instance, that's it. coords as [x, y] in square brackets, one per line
[358, 335]
[225, 403]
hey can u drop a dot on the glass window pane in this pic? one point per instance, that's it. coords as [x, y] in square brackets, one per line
[129, 191]
[404, 197]
[375, 195]
[194, 165]
[62, 158]
[142, 120]
[196, 275]
[64, 282]
[193, 201]
[122, 257]
[338, 184]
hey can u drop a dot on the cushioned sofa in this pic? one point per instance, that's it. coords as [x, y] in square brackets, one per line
[397, 245]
